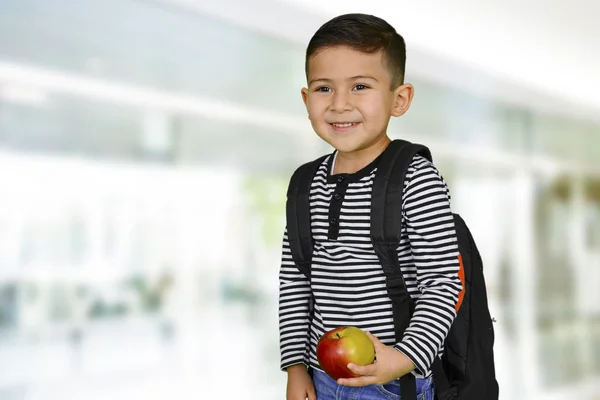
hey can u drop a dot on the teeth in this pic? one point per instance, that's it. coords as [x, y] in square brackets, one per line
[344, 125]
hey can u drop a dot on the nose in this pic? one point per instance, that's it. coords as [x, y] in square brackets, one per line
[340, 102]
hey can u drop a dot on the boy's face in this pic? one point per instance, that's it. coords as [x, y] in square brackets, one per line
[349, 100]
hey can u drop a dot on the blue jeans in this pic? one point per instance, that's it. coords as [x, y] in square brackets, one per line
[328, 389]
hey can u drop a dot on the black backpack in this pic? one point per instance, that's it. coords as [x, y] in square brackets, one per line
[466, 370]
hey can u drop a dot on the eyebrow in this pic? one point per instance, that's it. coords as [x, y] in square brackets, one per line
[352, 78]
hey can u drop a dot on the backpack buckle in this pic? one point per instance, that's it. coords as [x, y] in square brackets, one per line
[395, 283]
[396, 289]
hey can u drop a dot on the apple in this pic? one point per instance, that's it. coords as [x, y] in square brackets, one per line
[341, 346]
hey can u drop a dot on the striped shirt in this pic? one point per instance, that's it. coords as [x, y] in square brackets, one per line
[347, 279]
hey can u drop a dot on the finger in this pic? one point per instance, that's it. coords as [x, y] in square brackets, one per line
[360, 381]
[369, 370]
[311, 394]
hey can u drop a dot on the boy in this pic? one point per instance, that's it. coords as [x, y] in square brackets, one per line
[355, 73]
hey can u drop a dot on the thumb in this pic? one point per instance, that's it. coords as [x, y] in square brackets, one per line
[376, 342]
[311, 393]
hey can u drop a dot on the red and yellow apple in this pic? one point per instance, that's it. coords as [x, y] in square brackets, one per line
[341, 346]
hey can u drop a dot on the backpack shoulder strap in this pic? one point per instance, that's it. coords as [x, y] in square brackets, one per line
[386, 230]
[386, 210]
[298, 214]
[388, 189]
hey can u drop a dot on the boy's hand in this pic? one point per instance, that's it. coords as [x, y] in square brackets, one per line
[300, 385]
[390, 364]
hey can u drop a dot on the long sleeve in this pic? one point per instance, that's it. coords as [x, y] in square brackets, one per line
[294, 297]
[434, 247]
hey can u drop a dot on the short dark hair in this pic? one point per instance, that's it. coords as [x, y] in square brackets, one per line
[365, 33]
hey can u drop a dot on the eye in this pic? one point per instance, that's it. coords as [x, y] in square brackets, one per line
[323, 89]
[360, 87]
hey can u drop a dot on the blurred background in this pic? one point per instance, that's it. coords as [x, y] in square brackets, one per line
[145, 150]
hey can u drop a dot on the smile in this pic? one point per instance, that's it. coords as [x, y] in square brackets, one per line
[344, 125]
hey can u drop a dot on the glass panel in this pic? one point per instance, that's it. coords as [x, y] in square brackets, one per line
[443, 113]
[151, 44]
[567, 140]
[568, 273]
[67, 125]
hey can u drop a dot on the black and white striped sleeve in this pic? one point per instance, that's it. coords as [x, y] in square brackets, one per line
[434, 247]
[294, 297]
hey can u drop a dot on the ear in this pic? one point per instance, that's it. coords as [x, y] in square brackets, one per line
[403, 96]
[304, 93]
